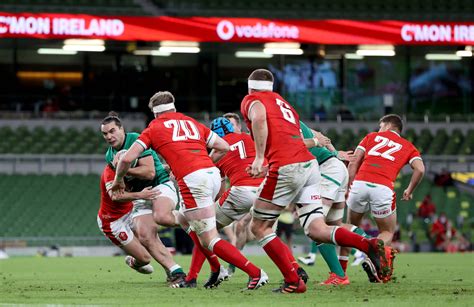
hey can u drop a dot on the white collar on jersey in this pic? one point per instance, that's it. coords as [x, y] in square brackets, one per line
[163, 107]
[260, 85]
[395, 132]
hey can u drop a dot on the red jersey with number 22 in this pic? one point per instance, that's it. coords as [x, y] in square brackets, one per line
[181, 141]
[109, 209]
[284, 143]
[385, 154]
[236, 160]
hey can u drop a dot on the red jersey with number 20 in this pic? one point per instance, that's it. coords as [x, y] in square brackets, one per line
[109, 209]
[284, 143]
[236, 160]
[385, 154]
[181, 141]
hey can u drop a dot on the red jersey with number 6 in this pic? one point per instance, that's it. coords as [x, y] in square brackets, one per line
[284, 143]
[181, 141]
[385, 154]
[237, 159]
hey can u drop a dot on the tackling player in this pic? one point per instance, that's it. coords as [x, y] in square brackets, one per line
[148, 172]
[116, 222]
[293, 177]
[378, 159]
[334, 180]
[183, 142]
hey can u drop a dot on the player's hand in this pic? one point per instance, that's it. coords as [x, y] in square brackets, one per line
[148, 193]
[118, 187]
[346, 155]
[322, 139]
[118, 156]
[263, 174]
[256, 169]
[407, 195]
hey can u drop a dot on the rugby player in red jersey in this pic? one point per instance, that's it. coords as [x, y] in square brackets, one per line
[183, 143]
[115, 220]
[378, 159]
[292, 177]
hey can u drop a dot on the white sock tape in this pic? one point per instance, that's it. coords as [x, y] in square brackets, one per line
[260, 85]
[163, 107]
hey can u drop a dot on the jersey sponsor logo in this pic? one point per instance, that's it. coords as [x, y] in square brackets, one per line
[382, 212]
[226, 30]
[123, 236]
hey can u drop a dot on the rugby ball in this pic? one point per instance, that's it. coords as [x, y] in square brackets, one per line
[119, 156]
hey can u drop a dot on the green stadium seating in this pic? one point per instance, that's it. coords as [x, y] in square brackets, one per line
[90, 141]
[46, 205]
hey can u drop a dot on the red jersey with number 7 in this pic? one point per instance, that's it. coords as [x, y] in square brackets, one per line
[284, 143]
[181, 141]
[237, 159]
[385, 154]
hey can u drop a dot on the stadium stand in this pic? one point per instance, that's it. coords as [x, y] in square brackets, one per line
[54, 206]
[97, 7]
[88, 141]
[321, 9]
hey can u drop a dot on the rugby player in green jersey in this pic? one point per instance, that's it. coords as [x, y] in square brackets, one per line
[146, 213]
[334, 181]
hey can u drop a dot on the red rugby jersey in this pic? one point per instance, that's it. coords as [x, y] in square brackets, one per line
[284, 143]
[109, 209]
[181, 141]
[241, 155]
[385, 154]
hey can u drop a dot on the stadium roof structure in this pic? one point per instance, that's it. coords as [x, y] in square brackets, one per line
[453, 10]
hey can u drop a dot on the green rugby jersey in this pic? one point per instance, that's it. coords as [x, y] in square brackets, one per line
[136, 184]
[321, 153]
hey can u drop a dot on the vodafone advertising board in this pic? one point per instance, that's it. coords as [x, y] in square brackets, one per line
[252, 30]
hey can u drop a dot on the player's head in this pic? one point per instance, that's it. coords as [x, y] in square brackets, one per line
[112, 130]
[162, 102]
[234, 119]
[260, 80]
[391, 122]
[222, 126]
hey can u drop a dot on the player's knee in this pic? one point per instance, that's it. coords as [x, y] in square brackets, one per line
[163, 218]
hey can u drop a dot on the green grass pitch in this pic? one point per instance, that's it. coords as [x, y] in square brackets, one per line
[421, 280]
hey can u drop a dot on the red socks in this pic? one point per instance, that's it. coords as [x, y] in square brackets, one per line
[213, 260]
[343, 261]
[232, 255]
[290, 256]
[197, 261]
[279, 253]
[344, 237]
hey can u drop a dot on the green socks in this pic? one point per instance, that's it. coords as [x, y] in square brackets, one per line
[328, 251]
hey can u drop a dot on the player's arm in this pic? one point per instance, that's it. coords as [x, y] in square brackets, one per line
[147, 193]
[355, 164]
[145, 169]
[124, 165]
[418, 172]
[258, 116]
[222, 189]
[219, 147]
